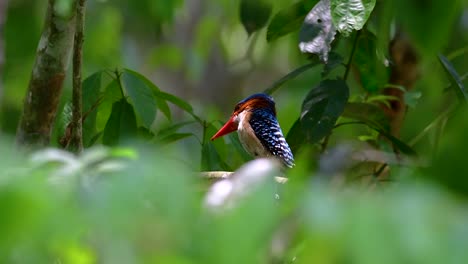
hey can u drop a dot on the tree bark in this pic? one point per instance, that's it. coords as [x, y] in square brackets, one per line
[77, 117]
[45, 86]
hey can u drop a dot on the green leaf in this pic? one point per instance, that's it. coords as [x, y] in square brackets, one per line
[172, 129]
[296, 137]
[455, 79]
[254, 14]
[276, 85]
[402, 146]
[180, 103]
[288, 20]
[322, 107]
[111, 94]
[140, 96]
[349, 15]
[162, 104]
[370, 114]
[121, 124]
[90, 94]
[211, 160]
[174, 137]
[374, 117]
[317, 32]
[334, 60]
[372, 71]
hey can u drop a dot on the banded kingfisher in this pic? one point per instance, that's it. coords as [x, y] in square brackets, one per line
[259, 132]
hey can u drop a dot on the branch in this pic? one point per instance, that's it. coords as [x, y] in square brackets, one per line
[76, 142]
[220, 175]
[45, 87]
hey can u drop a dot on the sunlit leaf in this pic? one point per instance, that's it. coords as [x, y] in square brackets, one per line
[121, 124]
[349, 15]
[455, 79]
[288, 20]
[317, 31]
[322, 107]
[254, 14]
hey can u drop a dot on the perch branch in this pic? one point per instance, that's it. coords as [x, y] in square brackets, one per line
[220, 175]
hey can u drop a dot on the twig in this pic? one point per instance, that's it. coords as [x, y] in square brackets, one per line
[77, 118]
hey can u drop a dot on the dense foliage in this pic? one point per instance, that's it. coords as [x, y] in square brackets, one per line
[370, 95]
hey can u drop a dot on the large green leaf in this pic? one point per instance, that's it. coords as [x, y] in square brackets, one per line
[91, 93]
[349, 15]
[455, 79]
[140, 96]
[372, 71]
[322, 107]
[121, 124]
[111, 94]
[254, 14]
[161, 103]
[288, 20]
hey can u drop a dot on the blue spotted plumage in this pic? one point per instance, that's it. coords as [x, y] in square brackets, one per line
[268, 131]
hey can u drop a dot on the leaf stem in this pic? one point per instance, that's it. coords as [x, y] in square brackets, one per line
[353, 50]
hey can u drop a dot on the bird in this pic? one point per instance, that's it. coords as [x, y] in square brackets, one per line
[259, 132]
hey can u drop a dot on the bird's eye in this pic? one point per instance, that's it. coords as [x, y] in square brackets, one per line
[236, 108]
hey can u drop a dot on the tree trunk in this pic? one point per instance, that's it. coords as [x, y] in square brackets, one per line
[45, 86]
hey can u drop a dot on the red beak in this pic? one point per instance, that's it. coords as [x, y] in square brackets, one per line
[229, 127]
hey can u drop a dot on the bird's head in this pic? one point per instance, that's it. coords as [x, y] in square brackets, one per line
[251, 103]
